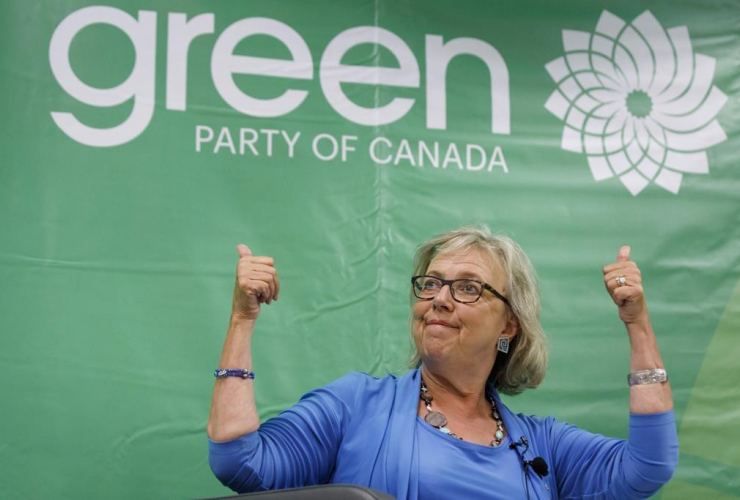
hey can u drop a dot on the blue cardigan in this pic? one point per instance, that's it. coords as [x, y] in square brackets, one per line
[363, 430]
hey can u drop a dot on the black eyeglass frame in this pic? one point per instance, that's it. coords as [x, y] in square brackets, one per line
[485, 286]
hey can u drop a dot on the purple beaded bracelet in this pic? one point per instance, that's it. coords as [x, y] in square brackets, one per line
[237, 372]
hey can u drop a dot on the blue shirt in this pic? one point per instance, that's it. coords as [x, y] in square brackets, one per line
[364, 430]
[470, 470]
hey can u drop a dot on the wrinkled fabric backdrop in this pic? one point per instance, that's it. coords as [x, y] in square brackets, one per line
[142, 141]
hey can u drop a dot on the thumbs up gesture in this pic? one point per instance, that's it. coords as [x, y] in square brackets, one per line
[623, 281]
[257, 282]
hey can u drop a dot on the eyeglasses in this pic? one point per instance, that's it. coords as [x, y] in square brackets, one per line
[463, 290]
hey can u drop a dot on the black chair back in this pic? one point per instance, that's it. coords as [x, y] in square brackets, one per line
[322, 492]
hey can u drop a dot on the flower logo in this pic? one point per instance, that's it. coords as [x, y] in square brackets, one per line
[637, 101]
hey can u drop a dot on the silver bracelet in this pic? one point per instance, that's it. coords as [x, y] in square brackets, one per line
[655, 376]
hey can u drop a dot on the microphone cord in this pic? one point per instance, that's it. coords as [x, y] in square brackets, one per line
[526, 480]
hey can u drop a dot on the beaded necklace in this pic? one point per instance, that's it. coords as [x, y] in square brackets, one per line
[439, 421]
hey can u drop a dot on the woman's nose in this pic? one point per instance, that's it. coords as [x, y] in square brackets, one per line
[443, 299]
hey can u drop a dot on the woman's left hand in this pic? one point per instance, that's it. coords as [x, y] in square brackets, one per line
[629, 296]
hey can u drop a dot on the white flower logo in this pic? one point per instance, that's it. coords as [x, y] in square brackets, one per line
[637, 100]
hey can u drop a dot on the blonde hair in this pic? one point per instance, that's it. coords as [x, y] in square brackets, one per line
[525, 364]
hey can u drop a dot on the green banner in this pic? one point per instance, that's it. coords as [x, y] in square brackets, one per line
[142, 141]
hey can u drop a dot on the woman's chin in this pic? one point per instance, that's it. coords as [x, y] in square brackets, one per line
[434, 351]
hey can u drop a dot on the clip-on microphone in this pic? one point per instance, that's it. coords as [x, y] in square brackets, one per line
[538, 464]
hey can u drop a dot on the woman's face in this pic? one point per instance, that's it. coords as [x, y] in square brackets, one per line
[446, 330]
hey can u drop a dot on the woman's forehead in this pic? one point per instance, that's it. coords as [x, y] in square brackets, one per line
[470, 262]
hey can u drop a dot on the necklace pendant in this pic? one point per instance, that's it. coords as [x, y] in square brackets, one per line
[435, 419]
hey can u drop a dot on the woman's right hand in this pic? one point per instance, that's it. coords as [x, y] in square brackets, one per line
[233, 409]
[257, 281]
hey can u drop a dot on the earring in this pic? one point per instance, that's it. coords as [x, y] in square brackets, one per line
[503, 344]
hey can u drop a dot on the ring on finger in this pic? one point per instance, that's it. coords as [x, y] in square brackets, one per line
[621, 281]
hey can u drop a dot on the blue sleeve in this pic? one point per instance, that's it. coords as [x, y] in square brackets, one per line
[591, 466]
[296, 448]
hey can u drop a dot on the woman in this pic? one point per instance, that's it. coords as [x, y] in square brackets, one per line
[440, 430]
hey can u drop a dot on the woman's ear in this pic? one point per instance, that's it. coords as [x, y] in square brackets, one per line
[512, 327]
